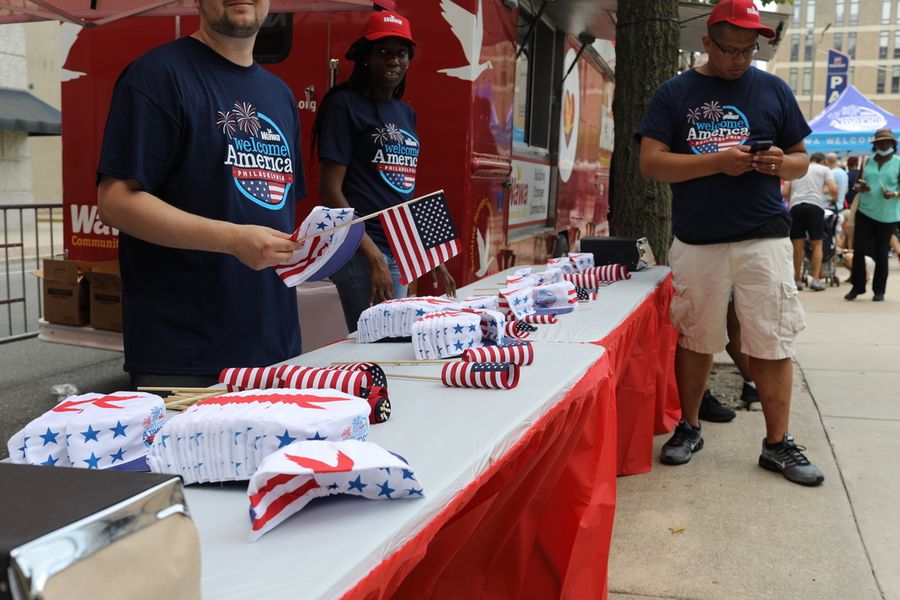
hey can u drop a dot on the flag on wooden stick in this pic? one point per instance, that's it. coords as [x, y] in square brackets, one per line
[421, 235]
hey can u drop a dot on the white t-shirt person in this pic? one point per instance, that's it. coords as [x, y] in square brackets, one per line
[810, 188]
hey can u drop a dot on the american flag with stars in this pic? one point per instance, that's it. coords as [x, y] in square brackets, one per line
[492, 375]
[421, 235]
[518, 353]
[519, 329]
[288, 479]
[268, 186]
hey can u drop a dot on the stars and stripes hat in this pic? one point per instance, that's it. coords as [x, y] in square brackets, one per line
[92, 431]
[227, 437]
[289, 478]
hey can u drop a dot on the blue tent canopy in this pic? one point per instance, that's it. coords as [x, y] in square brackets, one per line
[847, 125]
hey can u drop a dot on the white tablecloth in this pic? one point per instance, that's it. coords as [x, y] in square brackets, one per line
[591, 321]
[450, 436]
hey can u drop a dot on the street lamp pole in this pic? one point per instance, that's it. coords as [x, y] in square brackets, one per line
[812, 76]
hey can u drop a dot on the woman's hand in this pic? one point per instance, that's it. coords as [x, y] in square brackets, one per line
[446, 279]
[889, 195]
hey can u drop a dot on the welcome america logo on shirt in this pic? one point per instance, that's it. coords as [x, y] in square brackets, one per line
[397, 158]
[716, 128]
[258, 153]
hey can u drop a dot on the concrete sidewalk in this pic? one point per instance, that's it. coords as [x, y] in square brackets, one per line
[720, 527]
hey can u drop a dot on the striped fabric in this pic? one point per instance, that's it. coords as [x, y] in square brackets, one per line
[519, 329]
[492, 375]
[237, 379]
[610, 273]
[517, 353]
[349, 382]
[540, 319]
[588, 279]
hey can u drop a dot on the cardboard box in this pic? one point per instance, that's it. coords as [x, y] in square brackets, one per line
[65, 292]
[106, 295]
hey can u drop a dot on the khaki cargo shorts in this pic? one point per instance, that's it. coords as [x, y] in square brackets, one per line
[761, 275]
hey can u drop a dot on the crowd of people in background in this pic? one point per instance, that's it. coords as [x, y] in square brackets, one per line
[846, 212]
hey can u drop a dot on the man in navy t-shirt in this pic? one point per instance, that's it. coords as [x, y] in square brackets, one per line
[200, 172]
[731, 226]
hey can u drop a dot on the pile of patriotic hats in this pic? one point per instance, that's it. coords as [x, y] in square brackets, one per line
[92, 431]
[450, 333]
[225, 438]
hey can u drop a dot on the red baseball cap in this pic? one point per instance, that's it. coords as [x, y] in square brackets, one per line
[388, 24]
[740, 13]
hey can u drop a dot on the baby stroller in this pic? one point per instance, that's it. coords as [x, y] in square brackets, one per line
[828, 272]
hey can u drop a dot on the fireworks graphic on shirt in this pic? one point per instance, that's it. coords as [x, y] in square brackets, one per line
[226, 123]
[712, 110]
[693, 115]
[246, 117]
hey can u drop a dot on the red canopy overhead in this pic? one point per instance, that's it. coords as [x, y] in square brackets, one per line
[90, 13]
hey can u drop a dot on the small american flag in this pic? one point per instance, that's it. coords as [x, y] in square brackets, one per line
[327, 242]
[493, 375]
[519, 329]
[540, 319]
[349, 382]
[373, 369]
[587, 279]
[376, 393]
[585, 294]
[518, 353]
[253, 378]
[421, 235]
[614, 272]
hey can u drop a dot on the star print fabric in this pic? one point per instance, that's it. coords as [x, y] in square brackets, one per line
[288, 479]
[226, 438]
[91, 431]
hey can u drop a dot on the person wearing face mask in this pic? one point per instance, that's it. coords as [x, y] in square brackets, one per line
[877, 215]
[368, 151]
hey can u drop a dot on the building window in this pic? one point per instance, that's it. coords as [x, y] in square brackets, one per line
[839, 12]
[792, 79]
[795, 20]
[879, 81]
[838, 41]
[808, 48]
[536, 70]
[851, 44]
[897, 44]
[854, 12]
[795, 47]
[895, 80]
[810, 13]
[886, 11]
[807, 80]
[883, 45]
[897, 12]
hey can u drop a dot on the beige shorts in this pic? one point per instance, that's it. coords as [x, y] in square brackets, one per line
[761, 275]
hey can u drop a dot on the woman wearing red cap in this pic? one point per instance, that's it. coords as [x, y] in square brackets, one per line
[369, 152]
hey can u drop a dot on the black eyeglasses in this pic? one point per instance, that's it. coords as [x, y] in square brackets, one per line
[736, 54]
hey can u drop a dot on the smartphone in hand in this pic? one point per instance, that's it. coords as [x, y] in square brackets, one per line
[760, 145]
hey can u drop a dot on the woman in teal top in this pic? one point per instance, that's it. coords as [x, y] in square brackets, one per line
[877, 215]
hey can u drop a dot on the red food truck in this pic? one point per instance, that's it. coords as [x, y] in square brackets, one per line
[514, 116]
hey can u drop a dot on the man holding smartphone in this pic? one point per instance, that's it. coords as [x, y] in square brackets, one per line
[731, 226]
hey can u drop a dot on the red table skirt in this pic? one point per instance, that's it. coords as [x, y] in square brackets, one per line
[536, 524]
[642, 355]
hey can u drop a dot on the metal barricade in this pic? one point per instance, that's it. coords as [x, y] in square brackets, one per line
[28, 234]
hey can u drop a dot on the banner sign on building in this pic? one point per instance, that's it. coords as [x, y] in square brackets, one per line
[837, 75]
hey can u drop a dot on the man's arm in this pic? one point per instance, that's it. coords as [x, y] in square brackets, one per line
[659, 163]
[793, 162]
[832, 190]
[125, 206]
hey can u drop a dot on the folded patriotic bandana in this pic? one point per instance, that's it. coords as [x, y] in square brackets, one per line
[288, 479]
[482, 302]
[92, 431]
[226, 438]
[550, 275]
[327, 243]
[519, 301]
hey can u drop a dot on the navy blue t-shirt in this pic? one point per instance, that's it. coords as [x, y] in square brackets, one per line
[380, 151]
[694, 113]
[222, 141]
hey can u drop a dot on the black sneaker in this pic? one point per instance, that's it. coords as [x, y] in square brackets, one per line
[681, 446]
[788, 459]
[749, 395]
[713, 411]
